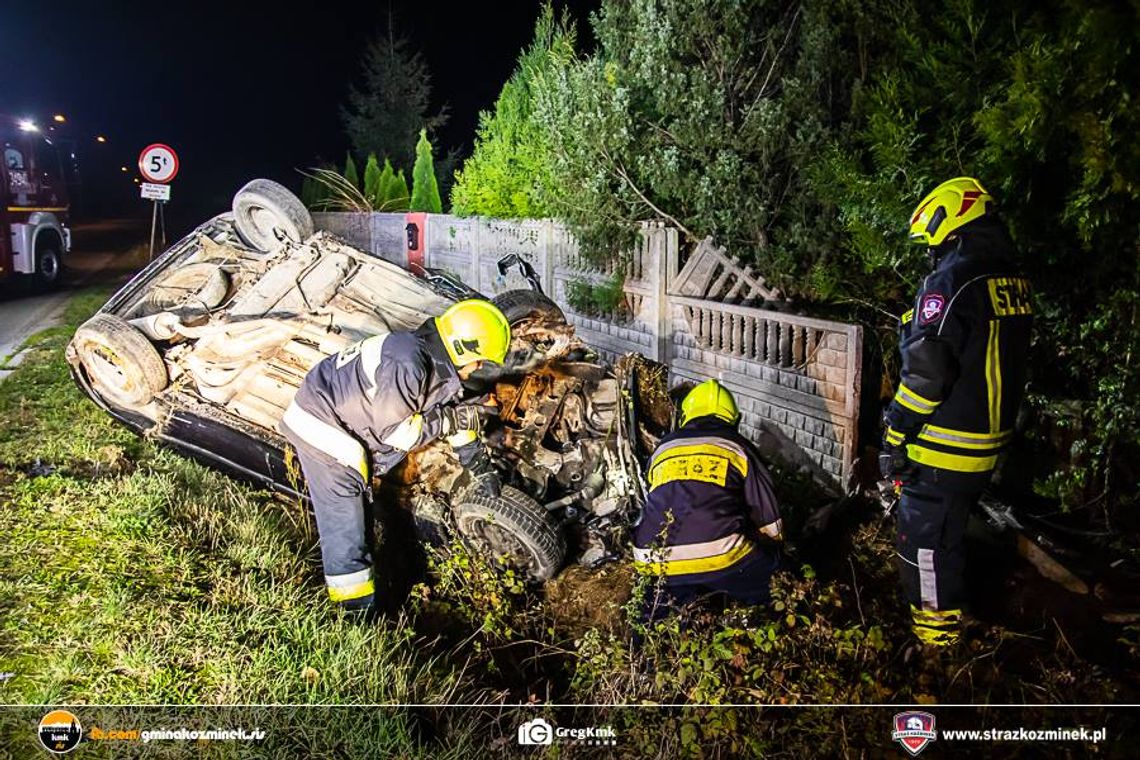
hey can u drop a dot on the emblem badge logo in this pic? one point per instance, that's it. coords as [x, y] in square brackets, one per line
[914, 730]
[932, 307]
[60, 732]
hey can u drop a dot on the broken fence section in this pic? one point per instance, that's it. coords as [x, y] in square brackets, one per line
[796, 378]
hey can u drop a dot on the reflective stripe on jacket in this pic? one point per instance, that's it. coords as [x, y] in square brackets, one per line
[710, 500]
[380, 391]
[964, 356]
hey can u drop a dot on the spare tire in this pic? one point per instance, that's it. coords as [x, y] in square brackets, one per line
[513, 529]
[518, 305]
[267, 215]
[119, 360]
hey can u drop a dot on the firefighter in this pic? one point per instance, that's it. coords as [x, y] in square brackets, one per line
[964, 350]
[711, 524]
[386, 396]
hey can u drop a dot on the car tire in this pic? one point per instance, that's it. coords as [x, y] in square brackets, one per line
[121, 363]
[266, 215]
[514, 524]
[49, 266]
[518, 305]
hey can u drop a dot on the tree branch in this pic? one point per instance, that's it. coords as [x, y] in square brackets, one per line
[625, 177]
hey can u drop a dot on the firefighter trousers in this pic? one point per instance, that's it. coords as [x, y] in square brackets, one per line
[748, 582]
[932, 560]
[336, 473]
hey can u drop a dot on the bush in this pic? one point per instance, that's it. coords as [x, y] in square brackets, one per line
[425, 188]
[372, 186]
[509, 171]
[350, 174]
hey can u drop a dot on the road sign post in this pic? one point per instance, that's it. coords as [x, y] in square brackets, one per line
[158, 165]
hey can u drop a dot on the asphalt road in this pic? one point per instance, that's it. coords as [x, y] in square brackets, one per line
[101, 251]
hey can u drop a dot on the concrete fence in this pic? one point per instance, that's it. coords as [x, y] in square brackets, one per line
[795, 378]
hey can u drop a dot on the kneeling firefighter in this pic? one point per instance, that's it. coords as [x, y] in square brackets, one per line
[711, 524]
[964, 348]
[385, 396]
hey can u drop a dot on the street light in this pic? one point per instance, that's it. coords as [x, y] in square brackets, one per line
[123, 169]
[59, 118]
[101, 139]
[27, 125]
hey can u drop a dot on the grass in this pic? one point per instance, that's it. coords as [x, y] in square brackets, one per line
[132, 576]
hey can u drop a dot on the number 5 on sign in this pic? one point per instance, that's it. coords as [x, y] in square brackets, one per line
[158, 163]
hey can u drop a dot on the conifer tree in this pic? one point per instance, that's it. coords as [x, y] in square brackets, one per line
[425, 188]
[372, 186]
[350, 172]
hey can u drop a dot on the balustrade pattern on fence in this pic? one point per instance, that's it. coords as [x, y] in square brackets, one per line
[795, 378]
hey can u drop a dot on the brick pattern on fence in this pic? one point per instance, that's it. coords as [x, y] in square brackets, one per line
[791, 376]
[796, 378]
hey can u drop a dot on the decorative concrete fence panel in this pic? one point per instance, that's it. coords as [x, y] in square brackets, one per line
[636, 326]
[453, 246]
[796, 378]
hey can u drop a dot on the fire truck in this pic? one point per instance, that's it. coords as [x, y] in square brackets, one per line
[34, 237]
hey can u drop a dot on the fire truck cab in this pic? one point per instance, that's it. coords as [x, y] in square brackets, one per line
[34, 237]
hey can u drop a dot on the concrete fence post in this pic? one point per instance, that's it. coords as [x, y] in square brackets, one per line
[548, 254]
[662, 337]
[476, 245]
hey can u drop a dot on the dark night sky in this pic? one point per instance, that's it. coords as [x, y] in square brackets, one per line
[240, 89]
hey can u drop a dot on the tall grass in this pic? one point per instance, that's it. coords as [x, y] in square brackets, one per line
[131, 575]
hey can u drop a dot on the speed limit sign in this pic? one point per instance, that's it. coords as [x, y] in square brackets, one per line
[158, 163]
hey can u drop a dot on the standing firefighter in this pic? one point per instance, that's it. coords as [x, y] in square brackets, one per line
[385, 396]
[964, 348]
[711, 524]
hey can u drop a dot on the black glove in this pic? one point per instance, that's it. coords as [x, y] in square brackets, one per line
[460, 418]
[894, 463]
[484, 479]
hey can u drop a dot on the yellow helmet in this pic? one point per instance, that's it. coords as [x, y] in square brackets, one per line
[710, 397]
[952, 204]
[474, 330]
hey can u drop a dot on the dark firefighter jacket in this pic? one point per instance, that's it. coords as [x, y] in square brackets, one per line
[383, 390]
[964, 348]
[710, 503]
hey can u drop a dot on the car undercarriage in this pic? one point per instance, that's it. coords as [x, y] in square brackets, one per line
[205, 348]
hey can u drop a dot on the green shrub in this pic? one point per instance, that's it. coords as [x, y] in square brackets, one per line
[372, 182]
[350, 174]
[606, 298]
[425, 188]
[509, 172]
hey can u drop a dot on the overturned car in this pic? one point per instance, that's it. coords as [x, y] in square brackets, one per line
[204, 349]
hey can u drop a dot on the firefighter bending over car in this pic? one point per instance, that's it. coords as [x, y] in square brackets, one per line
[711, 524]
[384, 397]
[964, 351]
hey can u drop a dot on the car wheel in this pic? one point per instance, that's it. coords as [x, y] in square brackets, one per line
[267, 215]
[513, 529]
[49, 265]
[518, 305]
[119, 360]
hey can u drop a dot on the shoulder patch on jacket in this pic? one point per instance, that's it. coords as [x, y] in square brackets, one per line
[931, 308]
